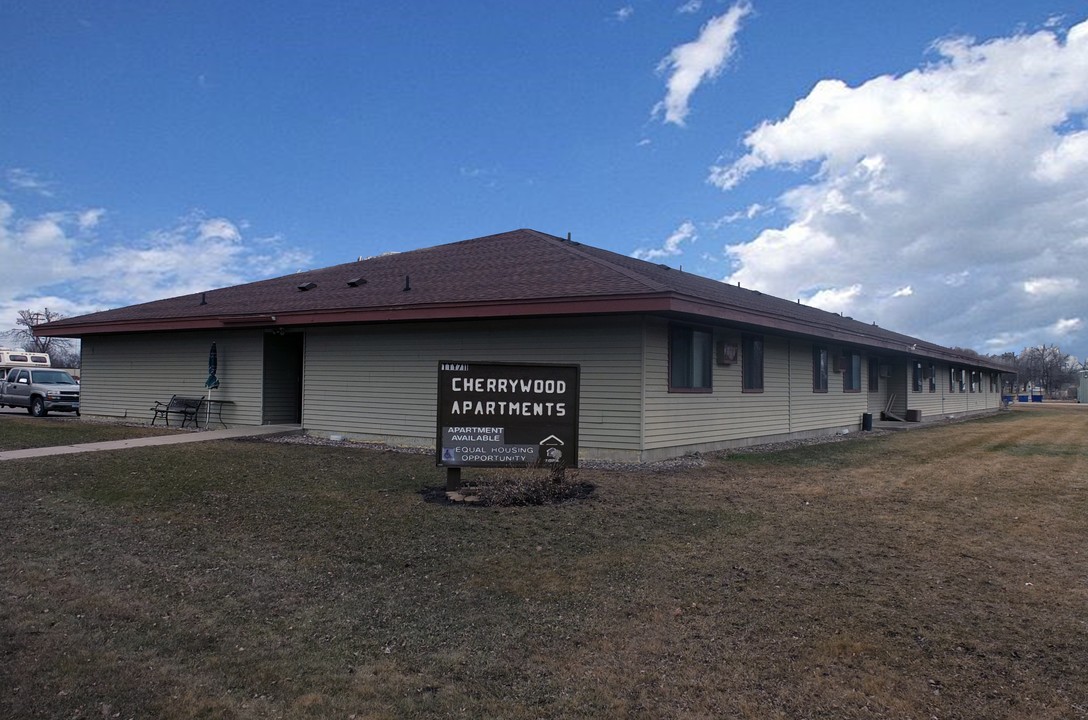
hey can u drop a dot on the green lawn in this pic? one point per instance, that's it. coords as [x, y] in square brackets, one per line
[18, 432]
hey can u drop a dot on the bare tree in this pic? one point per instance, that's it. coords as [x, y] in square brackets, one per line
[1045, 366]
[60, 350]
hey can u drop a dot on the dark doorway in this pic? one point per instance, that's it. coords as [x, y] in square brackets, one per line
[282, 390]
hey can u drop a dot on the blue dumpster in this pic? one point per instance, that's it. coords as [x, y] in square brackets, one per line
[1022, 398]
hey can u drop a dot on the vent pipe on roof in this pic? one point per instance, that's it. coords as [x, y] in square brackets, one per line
[568, 236]
[407, 284]
[203, 298]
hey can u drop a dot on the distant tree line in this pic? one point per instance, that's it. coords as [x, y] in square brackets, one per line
[62, 352]
[1044, 366]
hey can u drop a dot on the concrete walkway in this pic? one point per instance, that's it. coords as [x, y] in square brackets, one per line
[188, 437]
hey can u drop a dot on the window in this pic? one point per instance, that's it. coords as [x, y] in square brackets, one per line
[976, 381]
[951, 379]
[993, 382]
[932, 378]
[874, 374]
[916, 375]
[961, 378]
[819, 369]
[851, 373]
[751, 363]
[690, 358]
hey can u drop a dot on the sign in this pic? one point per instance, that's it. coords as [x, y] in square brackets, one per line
[499, 414]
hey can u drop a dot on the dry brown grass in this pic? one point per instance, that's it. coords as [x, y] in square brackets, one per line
[936, 573]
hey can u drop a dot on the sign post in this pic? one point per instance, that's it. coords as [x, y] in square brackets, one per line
[506, 415]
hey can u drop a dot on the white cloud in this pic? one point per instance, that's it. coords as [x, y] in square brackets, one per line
[624, 13]
[1043, 287]
[90, 218]
[219, 229]
[74, 273]
[23, 179]
[957, 180]
[906, 291]
[673, 244]
[692, 63]
[690, 7]
[837, 300]
[752, 211]
[1067, 326]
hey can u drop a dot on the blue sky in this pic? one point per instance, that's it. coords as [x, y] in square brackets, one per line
[919, 165]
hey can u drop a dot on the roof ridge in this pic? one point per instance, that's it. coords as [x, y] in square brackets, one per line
[572, 247]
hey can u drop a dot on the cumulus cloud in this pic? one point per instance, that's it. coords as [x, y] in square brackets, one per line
[673, 244]
[624, 13]
[963, 180]
[74, 272]
[690, 7]
[690, 64]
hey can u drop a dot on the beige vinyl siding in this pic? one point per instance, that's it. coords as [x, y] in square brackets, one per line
[727, 417]
[691, 420]
[124, 375]
[380, 381]
[945, 402]
[822, 410]
[929, 404]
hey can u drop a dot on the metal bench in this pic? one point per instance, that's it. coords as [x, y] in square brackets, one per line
[186, 407]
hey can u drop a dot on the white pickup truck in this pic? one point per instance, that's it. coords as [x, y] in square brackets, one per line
[39, 390]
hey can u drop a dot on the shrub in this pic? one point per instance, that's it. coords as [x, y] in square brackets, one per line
[510, 487]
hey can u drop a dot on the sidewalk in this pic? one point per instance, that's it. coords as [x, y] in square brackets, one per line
[191, 437]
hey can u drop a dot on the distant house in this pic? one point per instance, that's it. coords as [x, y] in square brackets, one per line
[671, 362]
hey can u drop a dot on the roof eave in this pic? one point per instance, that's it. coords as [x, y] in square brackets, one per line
[660, 303]
[650, 303]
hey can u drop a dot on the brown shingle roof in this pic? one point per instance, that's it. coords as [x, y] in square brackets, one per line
[518, 273]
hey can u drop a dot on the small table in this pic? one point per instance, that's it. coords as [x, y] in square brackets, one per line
[212, 407]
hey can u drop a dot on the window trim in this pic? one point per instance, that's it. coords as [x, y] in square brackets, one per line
[748, 345]
[820, 369]
[933, 377]
[690, 331]
[917, 372]
[851, 362]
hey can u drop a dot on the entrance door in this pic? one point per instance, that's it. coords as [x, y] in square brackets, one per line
[282, 390]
